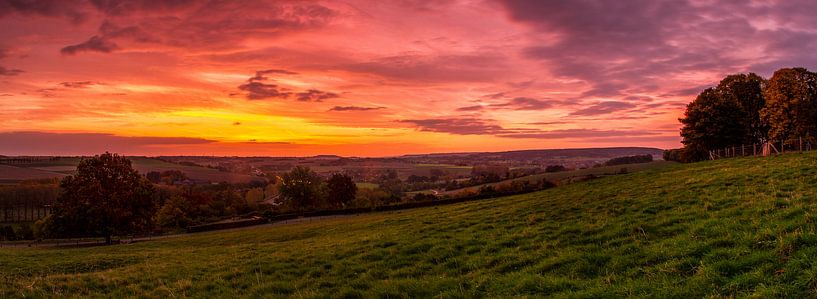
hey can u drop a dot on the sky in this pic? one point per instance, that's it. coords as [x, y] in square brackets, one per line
[374, 78]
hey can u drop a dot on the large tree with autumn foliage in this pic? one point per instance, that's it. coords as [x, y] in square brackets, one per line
[105, 197]
[791, 104]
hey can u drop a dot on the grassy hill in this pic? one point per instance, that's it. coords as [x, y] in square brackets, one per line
[736, 227]
[561, 177]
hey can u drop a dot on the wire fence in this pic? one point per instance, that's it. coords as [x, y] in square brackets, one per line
[763, 149]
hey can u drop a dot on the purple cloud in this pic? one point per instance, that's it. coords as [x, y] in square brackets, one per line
[9, 72]
[459, 126]
[260, 91]
[604, 108]
[94, 44]
[355, 108]
[314, 95]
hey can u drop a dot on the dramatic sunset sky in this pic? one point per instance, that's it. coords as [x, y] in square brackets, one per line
[374, 78]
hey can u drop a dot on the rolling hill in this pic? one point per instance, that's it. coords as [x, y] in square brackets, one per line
[734, 227]
[67, 165]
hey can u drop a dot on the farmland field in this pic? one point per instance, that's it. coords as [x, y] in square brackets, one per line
[737, 227]
[67, 165]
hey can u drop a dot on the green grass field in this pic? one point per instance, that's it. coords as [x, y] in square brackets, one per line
[737, 227]
[560, 177]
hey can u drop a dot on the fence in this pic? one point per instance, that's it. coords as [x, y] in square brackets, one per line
[762, 149]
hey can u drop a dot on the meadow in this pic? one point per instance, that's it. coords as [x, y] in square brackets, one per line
[736, 227]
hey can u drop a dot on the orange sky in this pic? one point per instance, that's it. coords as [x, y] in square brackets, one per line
[370, 78]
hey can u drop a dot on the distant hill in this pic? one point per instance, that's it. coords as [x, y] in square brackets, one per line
[606, 152]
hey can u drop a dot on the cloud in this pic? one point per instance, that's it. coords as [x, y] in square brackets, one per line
[604, 108]
[355, 108]
[257, 90]
[618, 48]
[9, 72]
[261, 75]
[471, 108]
[199, 25]
[476, 126]
[314, 95]
[94, 44]
[77, 84]
[577, 133]
[459, 126]
[524, 103]
[260, 91]
[478, 66]
[74, 10]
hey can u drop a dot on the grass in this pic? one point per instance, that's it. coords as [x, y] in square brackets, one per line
[737, 227]
[562, 176]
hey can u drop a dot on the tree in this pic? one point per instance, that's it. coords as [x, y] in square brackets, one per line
[302, 187]
[712, 121]
[342, 189]
[174, 213]
[106, 196]
[747, 91]
[791, 104]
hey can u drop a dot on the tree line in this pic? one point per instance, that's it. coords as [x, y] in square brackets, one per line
[749, 109]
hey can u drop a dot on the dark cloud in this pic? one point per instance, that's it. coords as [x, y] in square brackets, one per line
[199, 24]
[42, 143]
[74, 10]
[238, 123]
[9, 72]
[124, 7]
[471, 108]
[476, 126]
[620, 48]
[314, 95]
[259, 91]
[604, 108]
[524, 103]
[256, 89]
[577, 133]
[355, 108]
[261, 75]
[77, 84]
[459, 126]
[94, 44]
[475, 67]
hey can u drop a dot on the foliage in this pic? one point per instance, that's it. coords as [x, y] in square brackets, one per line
[105, 197]
[173, 214]
[711, 121]
[791, 109]
[341, 190]
[302, 187]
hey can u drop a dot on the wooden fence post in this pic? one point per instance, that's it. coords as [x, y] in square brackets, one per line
[782, 146]
[801, 144]
[754, 149]
[742, 150]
